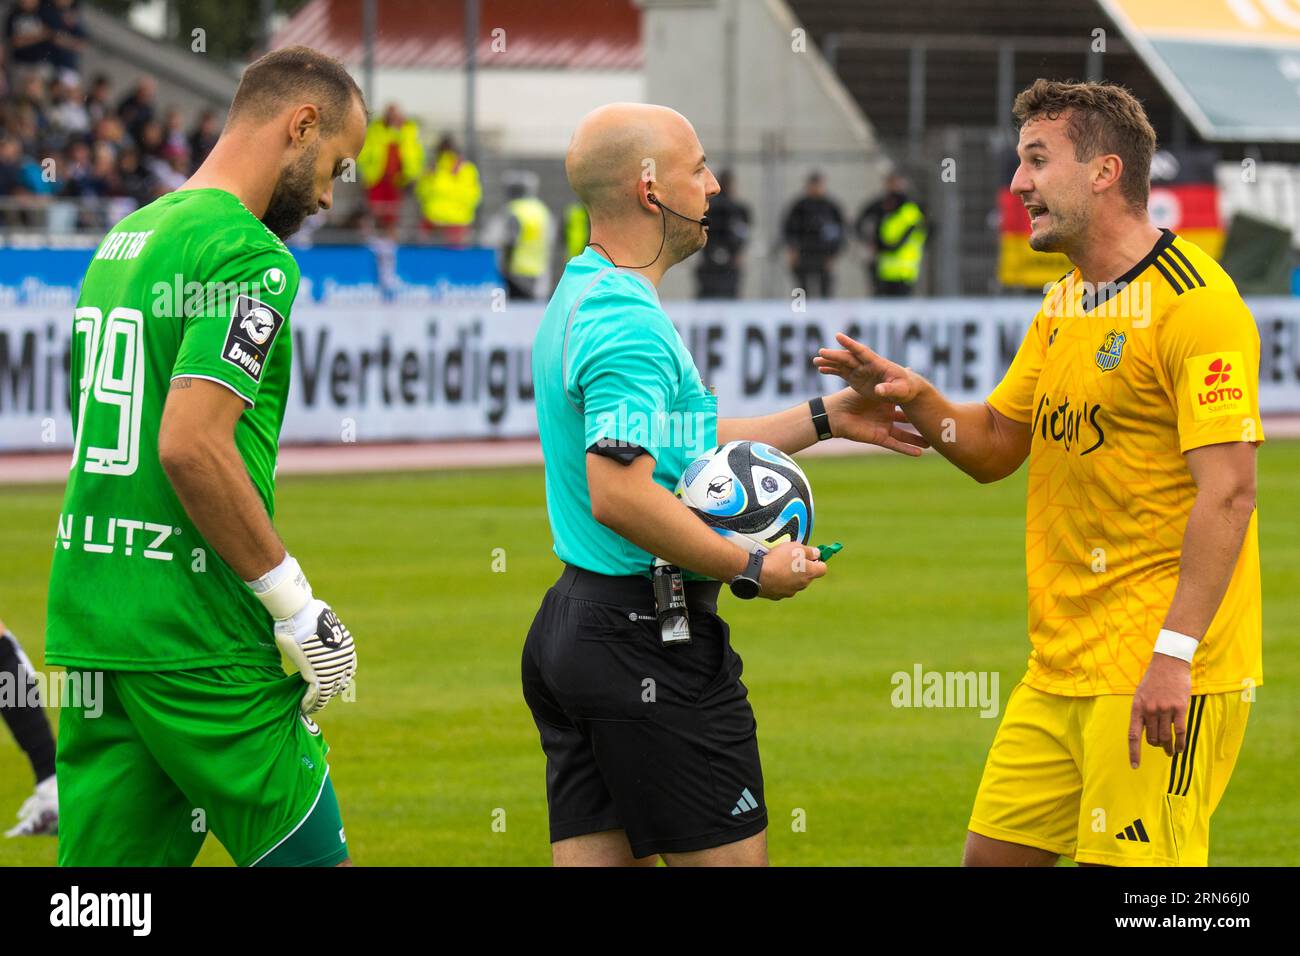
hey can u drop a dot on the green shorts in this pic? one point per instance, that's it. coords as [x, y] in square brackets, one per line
[166, 756]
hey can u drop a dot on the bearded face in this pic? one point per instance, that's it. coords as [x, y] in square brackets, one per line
[684, 238]
[294, 196]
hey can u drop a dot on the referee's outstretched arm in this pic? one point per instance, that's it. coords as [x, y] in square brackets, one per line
[847, 415]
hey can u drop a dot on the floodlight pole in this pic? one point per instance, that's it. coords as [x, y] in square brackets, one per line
[265, 10]
[368, 51]
[471, 78]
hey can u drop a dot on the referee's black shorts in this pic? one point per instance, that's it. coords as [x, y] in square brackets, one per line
[659, 741]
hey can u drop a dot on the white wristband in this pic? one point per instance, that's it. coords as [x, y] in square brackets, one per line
[1173, 644]
[283, 590]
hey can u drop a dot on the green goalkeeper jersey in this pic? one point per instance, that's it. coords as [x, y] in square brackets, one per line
[192, 285]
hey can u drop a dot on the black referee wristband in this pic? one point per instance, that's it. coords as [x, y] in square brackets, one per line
[821, 421]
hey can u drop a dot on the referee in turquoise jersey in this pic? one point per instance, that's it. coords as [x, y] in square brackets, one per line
[651, 747]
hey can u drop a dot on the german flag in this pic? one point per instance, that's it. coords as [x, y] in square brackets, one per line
[1184, 198]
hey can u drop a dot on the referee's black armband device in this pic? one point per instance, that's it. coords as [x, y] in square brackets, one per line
[821, 420]
[621, 451]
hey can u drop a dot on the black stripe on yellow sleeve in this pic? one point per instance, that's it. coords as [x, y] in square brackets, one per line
[1172, 263]
[1188, 263]
[1168, 277]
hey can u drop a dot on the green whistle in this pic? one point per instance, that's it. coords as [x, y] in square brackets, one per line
[828, 551]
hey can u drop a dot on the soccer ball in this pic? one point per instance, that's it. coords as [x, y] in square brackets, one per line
[751, 493]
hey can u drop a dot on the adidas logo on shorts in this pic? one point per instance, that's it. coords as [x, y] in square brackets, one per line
[1134, 832]
[745, 804]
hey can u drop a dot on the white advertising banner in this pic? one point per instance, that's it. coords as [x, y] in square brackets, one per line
[403, 373]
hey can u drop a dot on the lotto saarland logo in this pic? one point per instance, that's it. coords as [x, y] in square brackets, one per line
[1217, 385]
[1218, 372]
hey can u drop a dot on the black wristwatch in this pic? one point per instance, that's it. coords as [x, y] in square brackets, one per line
[745, 584]
[821, 421]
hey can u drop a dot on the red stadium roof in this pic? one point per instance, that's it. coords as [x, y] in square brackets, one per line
[430, 34]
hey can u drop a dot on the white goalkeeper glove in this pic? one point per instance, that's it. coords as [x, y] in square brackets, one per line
[308, 632]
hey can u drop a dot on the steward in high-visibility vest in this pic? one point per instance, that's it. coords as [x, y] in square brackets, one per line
[449, 194]
[527, 251]
[901, 242]
[390, 160]
[895, 227]
[381, 140]
[577, 230]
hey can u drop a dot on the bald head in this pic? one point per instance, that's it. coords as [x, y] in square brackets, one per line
[616, 145]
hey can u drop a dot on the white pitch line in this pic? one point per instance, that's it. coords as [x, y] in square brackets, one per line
[46, 467]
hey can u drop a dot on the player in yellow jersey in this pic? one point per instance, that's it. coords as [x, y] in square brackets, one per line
[1135, 397]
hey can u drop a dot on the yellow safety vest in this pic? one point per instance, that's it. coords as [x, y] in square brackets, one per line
[373, 158]
[904, 263]
[528, 257]
[577, 229]
[449, 192]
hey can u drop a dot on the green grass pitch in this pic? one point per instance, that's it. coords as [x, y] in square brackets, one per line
[438, 745]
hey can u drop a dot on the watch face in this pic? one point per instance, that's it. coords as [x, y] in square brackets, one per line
[744, 588]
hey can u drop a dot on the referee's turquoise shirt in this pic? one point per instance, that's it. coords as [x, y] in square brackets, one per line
[609, 365]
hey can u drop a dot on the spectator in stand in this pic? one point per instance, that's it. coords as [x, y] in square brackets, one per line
[11, 182]
[29, 102]
[138, 107]
[814, 235]
[153, 159]
[173, 168]
[174, 138]
[40, 177]
[26, 125]
[449, 193]
[106, 178]
[149, 139]
[109, 130]
[203, 137]
[136, 181]
[391, 159]
[27, 34]
[98, 99]
[76, 170]
[67, 35]
[89, 176]
[67, 112]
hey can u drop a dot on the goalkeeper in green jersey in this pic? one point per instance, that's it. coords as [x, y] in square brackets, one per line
[168, 575]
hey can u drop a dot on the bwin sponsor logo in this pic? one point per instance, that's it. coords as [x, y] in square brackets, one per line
[246, 359]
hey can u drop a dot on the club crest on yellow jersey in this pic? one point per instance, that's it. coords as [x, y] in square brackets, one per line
[1111, 351]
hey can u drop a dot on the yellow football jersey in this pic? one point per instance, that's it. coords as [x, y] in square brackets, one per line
[1117, 382]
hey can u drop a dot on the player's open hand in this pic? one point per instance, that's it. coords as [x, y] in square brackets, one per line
[1160, 706]
[869, 374]
[858, 418]
[788, 569]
